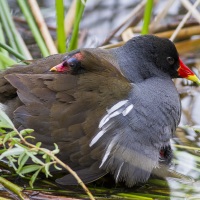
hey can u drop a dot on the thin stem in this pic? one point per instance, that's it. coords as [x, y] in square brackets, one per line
[6, 27]
[69, 18]
[147, 16]
[7, 61]
[17, 37]
[79, 12]
[60, 26]
[33, 27]
[188, 5]
[2, 39]
[12, 51]
[42, 26]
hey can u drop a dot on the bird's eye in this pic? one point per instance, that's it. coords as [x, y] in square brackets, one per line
[73, 62]
[170, 60]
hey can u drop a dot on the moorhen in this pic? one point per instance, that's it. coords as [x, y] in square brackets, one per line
[110, 111]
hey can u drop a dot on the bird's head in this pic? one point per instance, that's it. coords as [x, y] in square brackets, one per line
[152, 56]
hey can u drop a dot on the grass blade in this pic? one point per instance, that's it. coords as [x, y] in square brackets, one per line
[6, 61]
[60, 26]
[6, 27]
[79, 12]
[21, 47]
[33, 27]
[147, 17]
[2, 39]
[12, 51]
[42, 26]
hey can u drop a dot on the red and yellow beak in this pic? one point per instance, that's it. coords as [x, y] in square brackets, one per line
[60, 68]
[185, 72]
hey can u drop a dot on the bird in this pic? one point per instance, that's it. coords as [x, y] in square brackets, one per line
[108, 110]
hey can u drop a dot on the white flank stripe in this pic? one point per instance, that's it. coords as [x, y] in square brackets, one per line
[127, 110]
[110, 146]
[104, 121]
[97, 137]
[111, 112]
[119, 172]
[108, 117]
[114, 114]
[117, 109]
[117, 106]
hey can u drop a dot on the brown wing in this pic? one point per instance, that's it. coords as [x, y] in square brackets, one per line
[39, 66]
[66, 109]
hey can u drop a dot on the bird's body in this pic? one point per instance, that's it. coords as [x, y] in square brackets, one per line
[110, 113]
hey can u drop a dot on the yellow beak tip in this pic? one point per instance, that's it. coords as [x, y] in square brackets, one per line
[53, 69]
[194, 78]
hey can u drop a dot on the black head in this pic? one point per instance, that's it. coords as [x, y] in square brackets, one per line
[162, 52]
[148, 56]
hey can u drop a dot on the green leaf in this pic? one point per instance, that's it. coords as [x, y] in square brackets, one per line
[5, 122]
[11, 162]
[19, 144]
[2, 131]
[22, 161]
[2, 151]
[12, 152]
[47, 158]
[26, 131]
[56, 167]
[15, 141]
[56, 150]
[46, 167]
[38, 144]
[20, 157]
[29, 137]
[8, 136]
[29, 169]
[34, 158]
[33, 178]
[44, 156]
